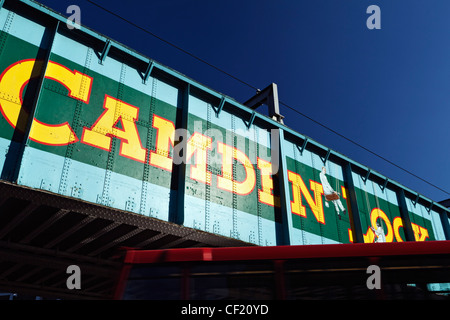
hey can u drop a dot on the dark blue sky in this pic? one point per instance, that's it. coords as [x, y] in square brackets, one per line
[387, 89]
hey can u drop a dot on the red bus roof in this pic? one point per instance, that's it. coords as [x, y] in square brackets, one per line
[288, 252]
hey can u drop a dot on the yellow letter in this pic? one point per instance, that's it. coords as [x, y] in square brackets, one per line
[13, 81]
[378, 213]
[226, 181]
[420, 233]
[265, 194]
[199, 143]
[299, 188]
[398, 222]
[369, 237]
[164, 139]
[99, 135]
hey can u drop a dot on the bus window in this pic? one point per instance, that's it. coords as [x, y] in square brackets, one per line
[154, 282]
[232, 280]
[440, 288]
[326, 279]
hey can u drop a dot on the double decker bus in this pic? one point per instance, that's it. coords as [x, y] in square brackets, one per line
[409, 270]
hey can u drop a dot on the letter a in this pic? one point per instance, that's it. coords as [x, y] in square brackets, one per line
[374, 21]
[374, 281]
[74, 281]
[74, 21]
[99, 135]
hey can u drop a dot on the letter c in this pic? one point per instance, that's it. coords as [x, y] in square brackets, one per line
[226, 309]
[12, 83]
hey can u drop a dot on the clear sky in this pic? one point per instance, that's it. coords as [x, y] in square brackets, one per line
[387, 89]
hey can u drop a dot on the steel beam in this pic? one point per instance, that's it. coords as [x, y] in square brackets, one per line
[445, 224]
[18, 219]
[268, 96]
[179, 170]
[69, 232]
[90, 238]
[61, 213]
[355, 219]
[283, 228]
[404, 214]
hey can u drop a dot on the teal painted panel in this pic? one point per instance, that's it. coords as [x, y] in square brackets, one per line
[426, 223]
[227, 200]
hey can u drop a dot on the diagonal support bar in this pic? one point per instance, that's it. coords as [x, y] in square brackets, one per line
[105, 52]
[148, 72]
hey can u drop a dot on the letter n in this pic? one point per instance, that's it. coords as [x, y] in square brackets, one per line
[299, 188]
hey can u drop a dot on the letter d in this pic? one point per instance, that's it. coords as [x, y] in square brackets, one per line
[264, 309]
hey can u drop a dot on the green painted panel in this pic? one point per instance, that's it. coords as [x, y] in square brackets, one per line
[381, 206]
[123, 127]
[335, 223]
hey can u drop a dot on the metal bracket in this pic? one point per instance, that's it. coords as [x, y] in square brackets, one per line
[431, 206]
[324, 160]
[384, 184]
[268, 96]
[302, 148]
[252, 118]
[367, 176]
[105, 51]
[219, 109]
[417, 199]
[148, 72]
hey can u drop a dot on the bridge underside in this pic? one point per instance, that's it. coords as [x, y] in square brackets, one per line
[42, 233]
